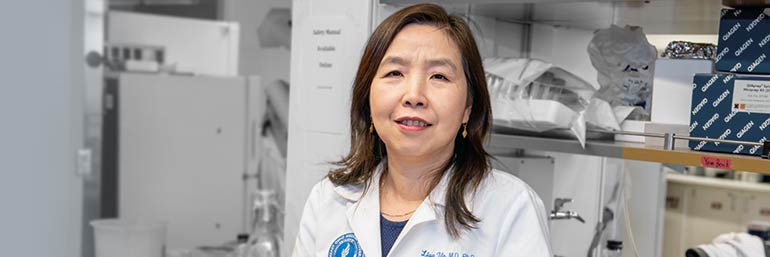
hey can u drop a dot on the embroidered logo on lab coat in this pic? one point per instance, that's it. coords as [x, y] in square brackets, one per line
[346, 246]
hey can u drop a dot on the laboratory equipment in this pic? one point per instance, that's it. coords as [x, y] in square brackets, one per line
[176, 149]
[191, 45]
[265, 238]
[558, 214]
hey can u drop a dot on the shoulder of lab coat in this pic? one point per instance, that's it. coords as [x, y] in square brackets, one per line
[323, 192]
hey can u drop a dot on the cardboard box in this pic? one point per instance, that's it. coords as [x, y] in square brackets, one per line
[671, 84]
[744, 41]
[732, 107]
[746, 3]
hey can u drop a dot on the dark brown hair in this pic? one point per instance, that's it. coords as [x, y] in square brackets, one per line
[470, 162]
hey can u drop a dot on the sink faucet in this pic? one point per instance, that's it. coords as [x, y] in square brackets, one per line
[558, 214]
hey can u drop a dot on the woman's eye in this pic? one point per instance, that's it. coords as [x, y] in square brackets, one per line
[440, 76]
[393, 74]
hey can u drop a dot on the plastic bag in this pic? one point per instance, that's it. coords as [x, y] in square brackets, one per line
[625, 61]
[536, 96]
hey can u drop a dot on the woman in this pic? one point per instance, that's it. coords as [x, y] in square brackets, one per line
[417, 180]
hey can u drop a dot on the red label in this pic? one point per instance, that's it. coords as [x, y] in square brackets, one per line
[714, 162]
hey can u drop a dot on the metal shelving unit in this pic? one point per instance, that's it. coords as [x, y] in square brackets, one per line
[594, 147]
[656, 16]
[629, 151]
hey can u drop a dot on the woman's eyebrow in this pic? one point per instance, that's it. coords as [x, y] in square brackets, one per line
[442, 62]
[394, 60]
[430, 63]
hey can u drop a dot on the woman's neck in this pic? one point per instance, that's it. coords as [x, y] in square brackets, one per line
[411, 179]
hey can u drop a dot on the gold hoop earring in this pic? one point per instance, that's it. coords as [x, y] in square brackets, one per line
[465, 130]
[371, 128]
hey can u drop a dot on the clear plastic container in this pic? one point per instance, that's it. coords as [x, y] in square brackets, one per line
[124, 238]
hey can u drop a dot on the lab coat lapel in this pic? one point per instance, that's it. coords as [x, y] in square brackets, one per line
[429, 210]
[364, 218]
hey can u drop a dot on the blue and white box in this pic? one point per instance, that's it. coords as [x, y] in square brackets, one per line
[744, 41]
[732, 107]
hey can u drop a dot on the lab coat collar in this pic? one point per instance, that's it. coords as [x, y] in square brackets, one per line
[437, 196]
[363, 210]
[431, 209]
[354, 192]
[351, 193]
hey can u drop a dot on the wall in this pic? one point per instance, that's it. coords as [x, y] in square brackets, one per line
[566, 48]
[41, 110]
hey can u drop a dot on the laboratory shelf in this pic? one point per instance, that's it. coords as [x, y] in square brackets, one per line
[593, 147]
[656, 17]
[629, 151]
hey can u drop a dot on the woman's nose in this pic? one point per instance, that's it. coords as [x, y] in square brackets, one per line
[415, 94]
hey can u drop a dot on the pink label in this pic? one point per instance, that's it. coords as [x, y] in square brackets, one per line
[717, 163]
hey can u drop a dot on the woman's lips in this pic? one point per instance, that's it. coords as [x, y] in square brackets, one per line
[412, 123]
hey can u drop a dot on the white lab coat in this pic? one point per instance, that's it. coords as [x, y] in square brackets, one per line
[339, 221]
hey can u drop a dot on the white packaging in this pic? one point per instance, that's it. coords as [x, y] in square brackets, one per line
[625, 62]
[662, 128]
[123, 238]
[533, 115]
[672, 89]
[632, 126]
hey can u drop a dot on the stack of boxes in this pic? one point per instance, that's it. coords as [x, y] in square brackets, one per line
[734, 103]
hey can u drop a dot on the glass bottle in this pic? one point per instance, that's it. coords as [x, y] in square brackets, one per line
[265, 237]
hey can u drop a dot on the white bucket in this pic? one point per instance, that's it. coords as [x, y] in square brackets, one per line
[124, 238]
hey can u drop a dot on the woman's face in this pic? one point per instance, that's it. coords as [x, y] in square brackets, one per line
[418, 97]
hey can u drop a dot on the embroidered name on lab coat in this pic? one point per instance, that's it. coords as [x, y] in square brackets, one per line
[426, 253]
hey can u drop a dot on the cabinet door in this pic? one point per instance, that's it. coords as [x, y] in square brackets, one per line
[675, 219]
[711, 212]
[756, 207]
[646, 202]
[577, 177]
[182, 155]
